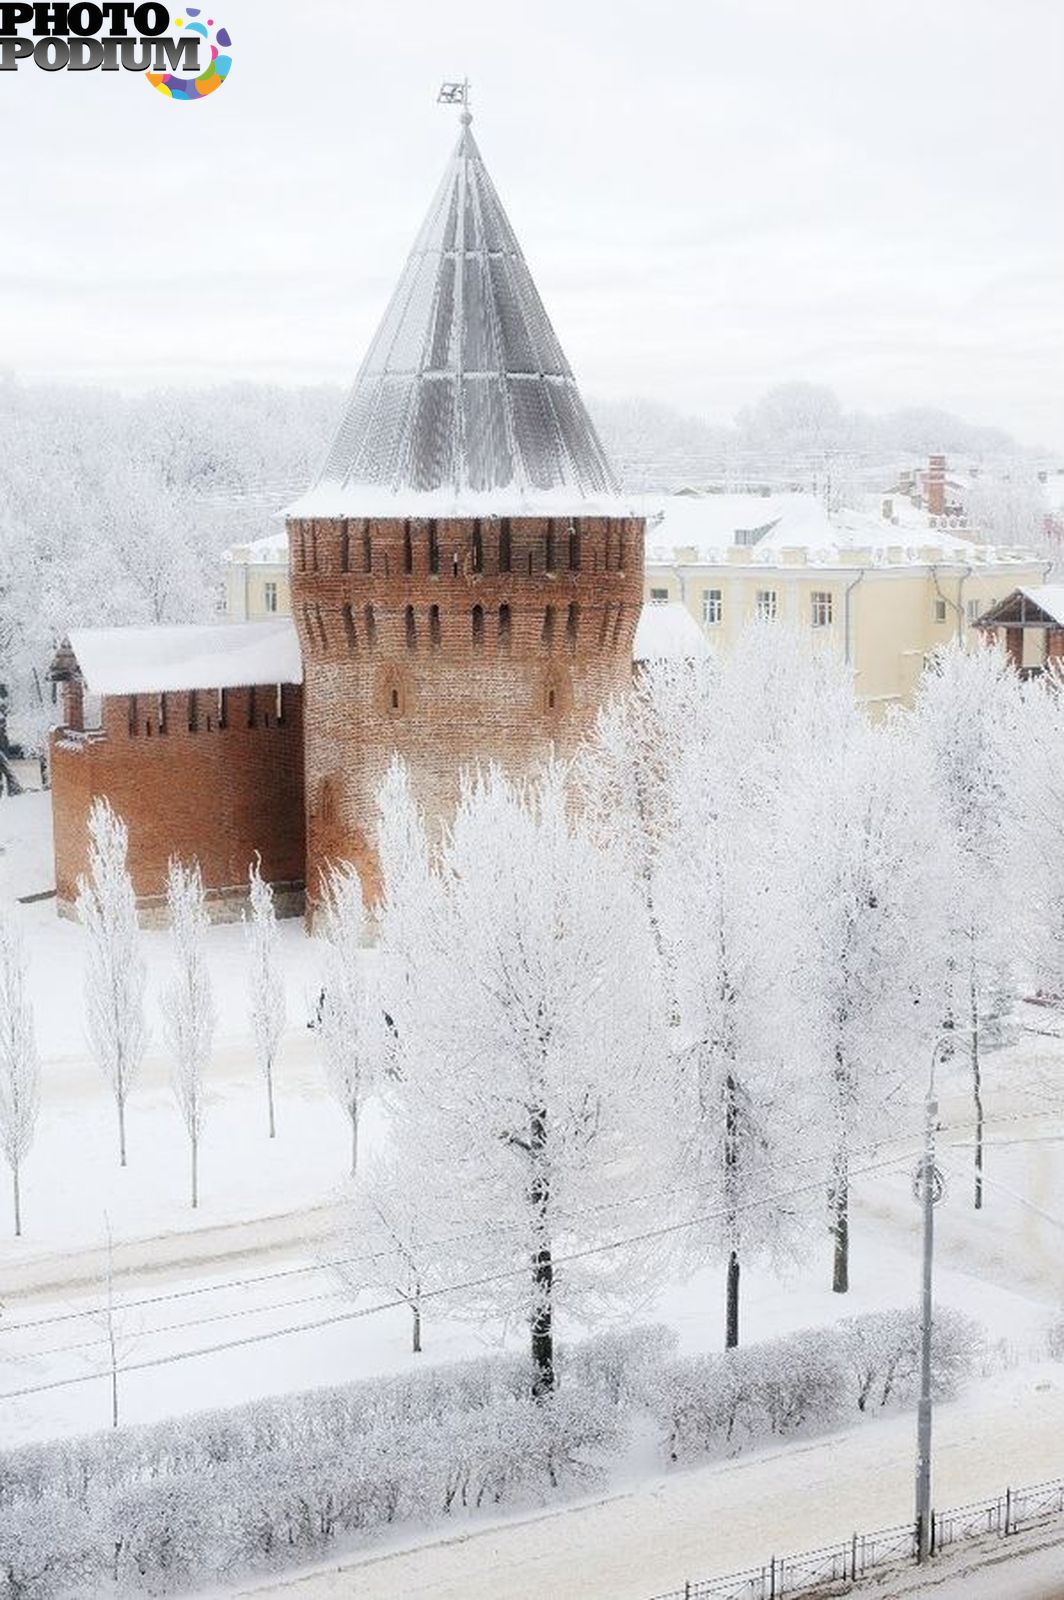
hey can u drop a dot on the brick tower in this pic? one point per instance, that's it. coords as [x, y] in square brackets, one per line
[466, 579]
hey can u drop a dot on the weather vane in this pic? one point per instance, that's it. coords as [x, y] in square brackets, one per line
[457, 94]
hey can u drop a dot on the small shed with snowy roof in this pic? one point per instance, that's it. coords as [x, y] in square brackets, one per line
[1023, 612]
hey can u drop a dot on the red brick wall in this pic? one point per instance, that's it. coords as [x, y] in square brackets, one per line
[218, 794]
[398, 657]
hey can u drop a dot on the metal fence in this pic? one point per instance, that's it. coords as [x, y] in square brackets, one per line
[814, 1571]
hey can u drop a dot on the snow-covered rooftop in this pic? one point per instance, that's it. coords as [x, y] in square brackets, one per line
[668, 632]
[159, 660]
[270, 551]
[765, 525]
[465, 403]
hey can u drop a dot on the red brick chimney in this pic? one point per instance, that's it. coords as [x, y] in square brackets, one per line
[936, 486]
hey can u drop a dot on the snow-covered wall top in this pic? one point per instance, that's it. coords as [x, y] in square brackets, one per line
[465, 401]
[668, 632]
[162, 660]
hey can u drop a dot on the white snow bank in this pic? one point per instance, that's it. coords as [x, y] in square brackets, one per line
[668, 632]
[226, 655]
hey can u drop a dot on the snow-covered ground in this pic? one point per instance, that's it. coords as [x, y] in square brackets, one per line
[249, 1262]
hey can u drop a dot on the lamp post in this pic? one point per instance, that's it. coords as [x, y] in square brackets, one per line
[927, 1188]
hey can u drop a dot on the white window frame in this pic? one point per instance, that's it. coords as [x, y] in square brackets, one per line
[270, 596]
[940, 612]
[659, 597]
[712, 607]
[822, 605]
[766, 605]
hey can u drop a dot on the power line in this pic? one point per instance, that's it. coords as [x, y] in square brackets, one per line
[360, 1313]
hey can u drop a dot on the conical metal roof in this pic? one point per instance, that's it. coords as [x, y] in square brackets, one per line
[465, 403]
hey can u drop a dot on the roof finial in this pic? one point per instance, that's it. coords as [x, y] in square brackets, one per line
[457, 94]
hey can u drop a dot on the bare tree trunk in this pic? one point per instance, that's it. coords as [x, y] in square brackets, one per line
[195, 1172]
[840, 1224]
[415, 1307]
[731, 1327]
[977, 1095]
[354, 1138]
[18, 1200]
[731, 1163]
[121, 1125]
[542, 1267]
[269, 1099]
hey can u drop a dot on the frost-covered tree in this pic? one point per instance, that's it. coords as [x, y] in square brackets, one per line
[350, 1025]
[387, 1244]
[266, 994]
[19, 1066]
[115, 974]
[531, 1060]
[864, 927]
[189, 1013]
[691, 776]
[967, 727]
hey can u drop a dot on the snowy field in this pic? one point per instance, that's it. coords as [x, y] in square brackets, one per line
[253, 1260]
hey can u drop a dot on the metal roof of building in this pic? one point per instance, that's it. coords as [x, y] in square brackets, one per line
[465, 403]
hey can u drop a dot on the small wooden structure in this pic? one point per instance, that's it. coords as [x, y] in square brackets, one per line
[1022, 612]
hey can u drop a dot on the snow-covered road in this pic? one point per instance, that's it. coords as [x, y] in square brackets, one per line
[730, 1515]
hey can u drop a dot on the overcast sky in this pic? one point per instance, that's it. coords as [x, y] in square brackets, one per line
[713, 195]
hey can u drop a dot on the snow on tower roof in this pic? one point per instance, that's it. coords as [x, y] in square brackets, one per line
[160, 660]
[668, 632]
[465, 403]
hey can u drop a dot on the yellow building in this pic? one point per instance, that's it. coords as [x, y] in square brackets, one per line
[884, 590]
[256, 580]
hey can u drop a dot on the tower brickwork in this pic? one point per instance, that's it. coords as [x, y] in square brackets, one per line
[453, 642]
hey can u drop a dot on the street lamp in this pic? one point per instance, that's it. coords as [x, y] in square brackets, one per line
[927, 1188]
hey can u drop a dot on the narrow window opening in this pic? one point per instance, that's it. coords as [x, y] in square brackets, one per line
[530, 563]
[478, 627]
[411, 629]
[454, 564]
[280, 703]
[251, 709]
[395, 699]
[367, 551]
[408, 549]
[345, 548]
[477, 548]
[551, 695]
[434, 626]
[505, 549]
[349, 627]
[193, 712]
[504, 628]
[160, 713]
[371, 627]
[222, 709]
[551, 552]
[572, 623]
[574, 548]
[548, 627]
[434, 549]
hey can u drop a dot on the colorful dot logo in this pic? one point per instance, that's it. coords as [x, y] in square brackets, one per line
[214, 74]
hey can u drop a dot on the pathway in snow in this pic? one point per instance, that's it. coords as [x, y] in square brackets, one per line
[730, 1515]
